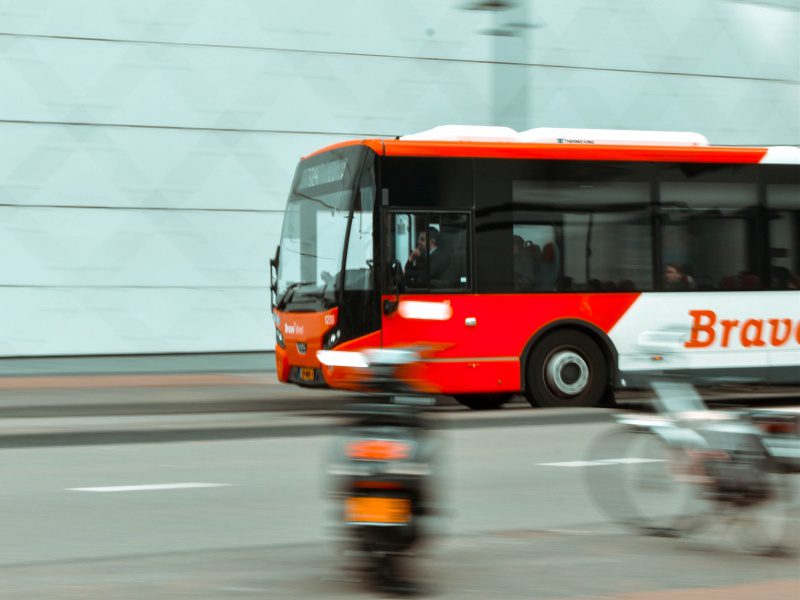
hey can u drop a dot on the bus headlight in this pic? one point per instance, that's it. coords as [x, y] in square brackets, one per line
[332, 338]
[279, 339]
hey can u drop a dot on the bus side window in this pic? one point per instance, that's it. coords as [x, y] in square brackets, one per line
[453, 236]
[432, 249]
[783, 202]
[404, 242]
[536, 257]
[592, 235]
[697, 219]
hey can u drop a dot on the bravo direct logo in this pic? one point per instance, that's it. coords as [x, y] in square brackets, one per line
[708, 330]
[293, 329]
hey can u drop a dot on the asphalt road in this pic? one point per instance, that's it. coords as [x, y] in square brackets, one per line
[259, 525]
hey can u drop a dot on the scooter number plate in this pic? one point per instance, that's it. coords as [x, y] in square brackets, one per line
[307, 374]
[377, 510]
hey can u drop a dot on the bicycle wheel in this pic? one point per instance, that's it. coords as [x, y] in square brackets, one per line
[638, 481]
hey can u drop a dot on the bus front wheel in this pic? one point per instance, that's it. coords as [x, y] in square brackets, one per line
[566, 368]
[483, 401]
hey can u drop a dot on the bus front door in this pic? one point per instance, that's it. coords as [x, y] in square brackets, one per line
[429, 301]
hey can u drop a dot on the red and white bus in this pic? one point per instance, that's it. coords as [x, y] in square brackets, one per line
[572, 261]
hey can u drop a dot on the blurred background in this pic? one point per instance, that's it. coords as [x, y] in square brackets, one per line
[147, 147]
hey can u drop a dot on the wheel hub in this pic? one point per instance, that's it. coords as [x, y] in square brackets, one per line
[567, 373]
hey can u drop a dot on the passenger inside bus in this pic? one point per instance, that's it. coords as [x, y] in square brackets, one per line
[548, 268]
[744, 281]
[784, 279]
[535, 269]
[525, 264]
[426, 260]
[676, 278]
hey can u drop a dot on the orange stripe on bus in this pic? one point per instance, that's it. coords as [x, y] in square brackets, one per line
[428, 149]
[375, 145]
[705, 154]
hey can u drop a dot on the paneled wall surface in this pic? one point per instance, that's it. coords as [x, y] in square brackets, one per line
[147, 146]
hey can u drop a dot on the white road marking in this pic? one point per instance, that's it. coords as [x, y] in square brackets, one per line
[575, 531]
[148, 488]
[630, 461]
[601, 463]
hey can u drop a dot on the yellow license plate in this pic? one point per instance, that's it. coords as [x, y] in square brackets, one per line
[377, 510]
[307, 374]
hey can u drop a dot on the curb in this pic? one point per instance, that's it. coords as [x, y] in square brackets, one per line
[179, 399]
[303, 427]
[255, 404]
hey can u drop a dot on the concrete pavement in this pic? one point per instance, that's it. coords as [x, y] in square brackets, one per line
[99, 400]
[225, 362]
[139, 385]
[157, 428]
[108, 399]
[251, 520]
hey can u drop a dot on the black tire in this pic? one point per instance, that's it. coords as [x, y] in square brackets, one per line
[566, 368]
[483, 401]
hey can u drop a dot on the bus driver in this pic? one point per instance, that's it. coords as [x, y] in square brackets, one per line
[427, 252]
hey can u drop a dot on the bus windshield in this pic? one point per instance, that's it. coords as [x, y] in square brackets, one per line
[314, 230]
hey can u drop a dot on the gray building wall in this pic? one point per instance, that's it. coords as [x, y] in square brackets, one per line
[147, 146]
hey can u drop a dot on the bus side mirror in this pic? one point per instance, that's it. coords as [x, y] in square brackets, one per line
[390, 306]
[273, 277]
[396, 282]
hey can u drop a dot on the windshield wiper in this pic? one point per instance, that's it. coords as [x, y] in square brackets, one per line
[307, 197]
[321, 296]
[291, 287]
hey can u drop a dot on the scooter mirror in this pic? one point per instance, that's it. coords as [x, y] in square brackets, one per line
[414, 400]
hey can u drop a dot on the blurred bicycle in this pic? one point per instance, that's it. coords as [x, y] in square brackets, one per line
[685, 471]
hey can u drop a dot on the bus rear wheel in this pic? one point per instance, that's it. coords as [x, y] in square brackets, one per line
[567, 368]
[483, 401]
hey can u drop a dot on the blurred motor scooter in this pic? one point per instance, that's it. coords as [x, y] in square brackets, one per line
[381, 470]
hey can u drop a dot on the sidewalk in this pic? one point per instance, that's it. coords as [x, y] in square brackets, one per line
[231, 362]
[147, 385]
[131, 399]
